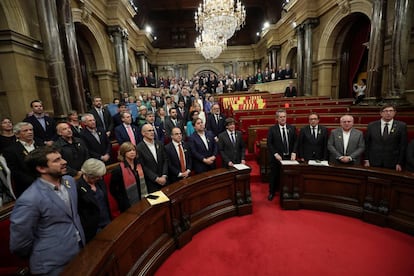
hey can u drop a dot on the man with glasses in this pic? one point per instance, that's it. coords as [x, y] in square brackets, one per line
[179, 156]
[312, 140]
[386, 141]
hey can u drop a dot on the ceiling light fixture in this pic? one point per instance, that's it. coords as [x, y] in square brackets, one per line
[209, 46]
[219, 19]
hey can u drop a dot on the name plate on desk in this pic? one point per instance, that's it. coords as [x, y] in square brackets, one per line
[318, 163]
[289, 162]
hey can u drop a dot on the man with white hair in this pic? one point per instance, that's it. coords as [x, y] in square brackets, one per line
[16, 153]
[346, 144]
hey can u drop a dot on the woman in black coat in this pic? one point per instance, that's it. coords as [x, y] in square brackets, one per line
[93, 205]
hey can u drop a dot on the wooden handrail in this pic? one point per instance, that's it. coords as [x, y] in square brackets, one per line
[379, 196]
[140, 239]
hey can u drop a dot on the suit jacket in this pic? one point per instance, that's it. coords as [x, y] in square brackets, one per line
[121, 134]
[89, 209]
[39, 132]
[199, 151]
[410, 156]
[169, 125]
[174, 167]
[386, 152]
[275, 141]
[356, 146]
[212, 125]
[229, 151]
[42, 227]
[153, 168]
[96, 149]
[21, 176]
[183, 117]
[290, 91]
[310, 148]
[108, 125]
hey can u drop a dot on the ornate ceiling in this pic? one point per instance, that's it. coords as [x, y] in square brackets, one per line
[172, 21]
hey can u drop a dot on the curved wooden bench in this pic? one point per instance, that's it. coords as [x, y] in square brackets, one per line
[140, 239]
[379, 196]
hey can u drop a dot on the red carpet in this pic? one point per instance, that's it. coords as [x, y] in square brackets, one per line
[276, 242]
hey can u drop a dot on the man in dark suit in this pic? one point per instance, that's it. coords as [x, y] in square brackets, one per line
[95, 139]
[231, 145]
[173, 121]
[203, 148]
[182, 113]
[45, 224]
[185, 96]
[288, 72]
[154, 160]
[179, 159]
[44, 127]
[102, 116]
[281, 141]
[312, 140]
[215, 121]
[386, 141]
[127, 132]
[15, 155]
[290, 90]
[346, 144]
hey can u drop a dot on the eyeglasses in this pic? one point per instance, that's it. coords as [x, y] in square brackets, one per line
[150, 130]
[177, 133]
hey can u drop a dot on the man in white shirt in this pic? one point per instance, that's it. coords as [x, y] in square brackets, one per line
[154, 160]
[346, 144]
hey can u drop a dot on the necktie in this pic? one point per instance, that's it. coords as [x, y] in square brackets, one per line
[385, 133]
[182, 160]
[155, 132]
[232, 138]
[217, 119]
[100, 113]
[131, 135]
[285, 141]
[314, 132]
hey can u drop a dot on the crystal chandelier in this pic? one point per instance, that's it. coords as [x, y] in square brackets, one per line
[220, 17]
[209, 46]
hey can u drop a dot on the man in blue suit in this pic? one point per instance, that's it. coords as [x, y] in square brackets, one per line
[45, 224]
[203, 148]
[127, 132]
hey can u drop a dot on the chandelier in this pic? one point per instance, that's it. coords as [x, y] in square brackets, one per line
[209, 46]
[220, 17]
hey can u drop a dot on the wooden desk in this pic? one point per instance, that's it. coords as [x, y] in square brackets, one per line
[139, 240]
[379, 196]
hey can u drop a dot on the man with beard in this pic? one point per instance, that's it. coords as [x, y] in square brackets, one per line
[45, 224]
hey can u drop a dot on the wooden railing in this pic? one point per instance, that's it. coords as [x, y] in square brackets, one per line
[139, 240]
[379, 196]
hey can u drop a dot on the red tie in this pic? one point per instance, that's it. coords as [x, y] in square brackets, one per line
[131, 135]
[182, 161]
